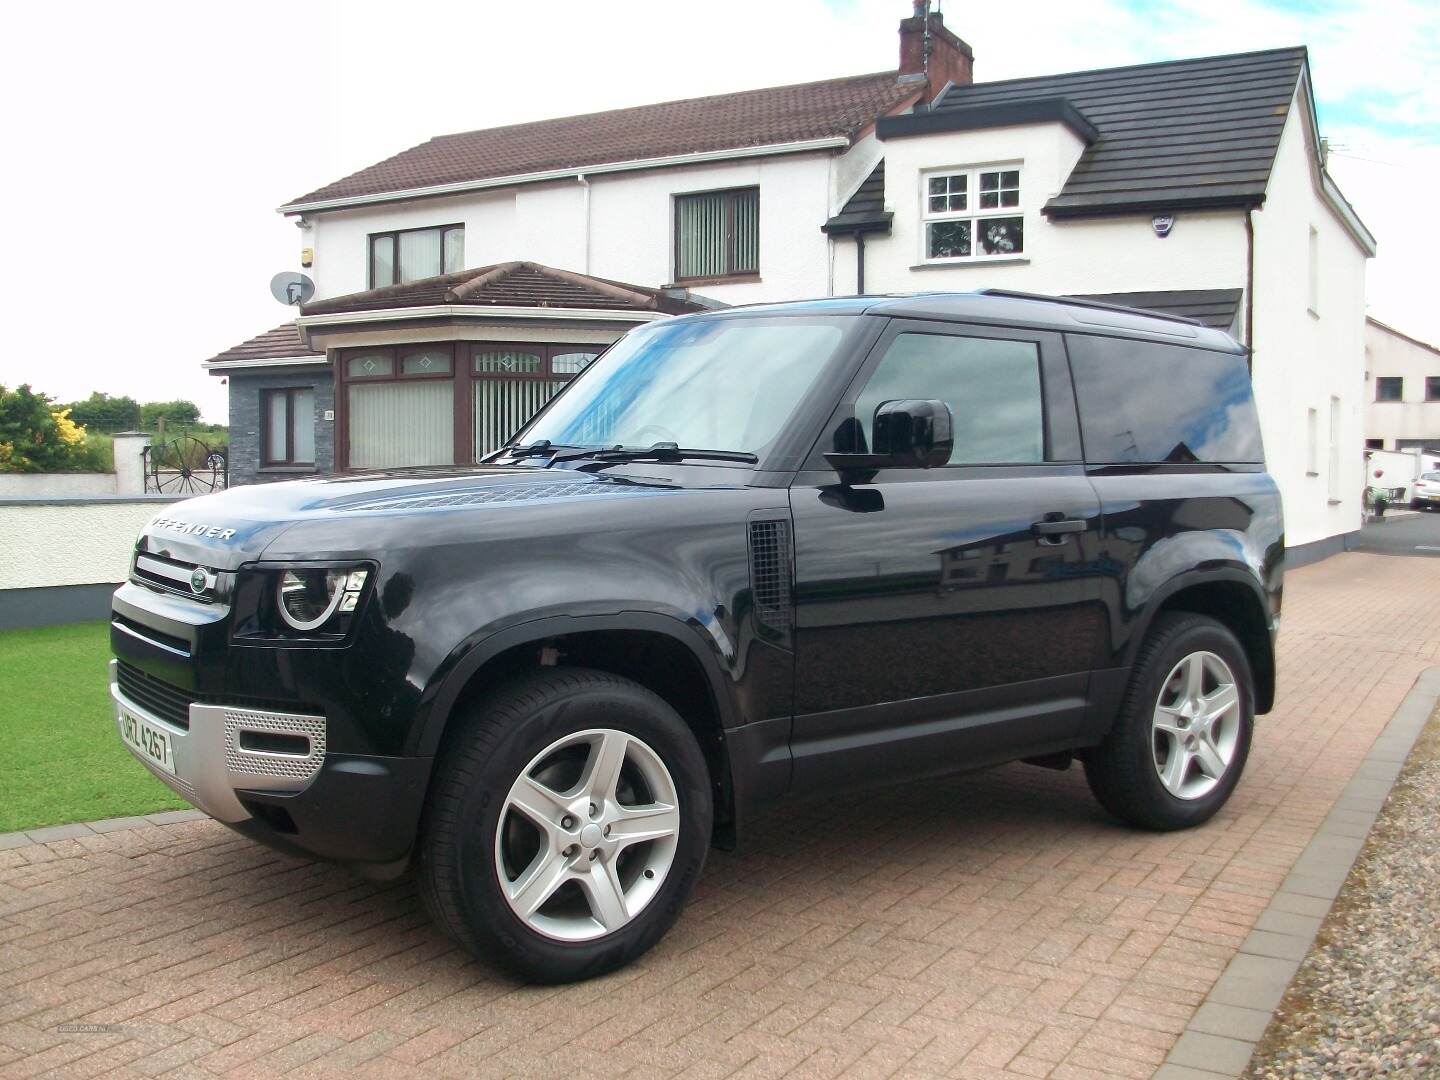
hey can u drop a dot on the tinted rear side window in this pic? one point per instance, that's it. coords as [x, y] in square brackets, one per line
[1144, 403]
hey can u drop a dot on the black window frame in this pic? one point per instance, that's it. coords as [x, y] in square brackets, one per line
[1062, 448]
[393, 235]
[289, 393]
[1398, 381]
[730, 273]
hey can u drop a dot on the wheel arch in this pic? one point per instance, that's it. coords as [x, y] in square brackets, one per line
[1235, 600]
[660, 652]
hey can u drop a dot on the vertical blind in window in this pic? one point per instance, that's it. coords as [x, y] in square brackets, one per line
[302, 420]
[402, 423]
[277, 425]
[503, 405]
[717, 234]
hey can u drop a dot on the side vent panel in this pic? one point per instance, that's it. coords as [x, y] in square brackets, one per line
[772, 580]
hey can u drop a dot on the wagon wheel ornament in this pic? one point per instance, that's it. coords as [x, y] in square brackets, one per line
[186, 466]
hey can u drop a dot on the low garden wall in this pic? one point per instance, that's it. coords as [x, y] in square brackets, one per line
[49, 484]
[62, 556]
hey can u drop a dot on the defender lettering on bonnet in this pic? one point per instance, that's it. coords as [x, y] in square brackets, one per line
[209, 532]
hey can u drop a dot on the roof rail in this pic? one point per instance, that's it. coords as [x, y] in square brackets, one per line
[1071, 301]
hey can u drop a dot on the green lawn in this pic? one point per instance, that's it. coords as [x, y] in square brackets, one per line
[61, 758]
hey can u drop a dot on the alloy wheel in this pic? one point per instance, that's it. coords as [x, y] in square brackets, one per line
[587, 834]
[1196, 725]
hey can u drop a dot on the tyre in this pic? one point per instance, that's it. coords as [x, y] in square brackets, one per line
[567, 823]
[1181, 738]
[1416, 504]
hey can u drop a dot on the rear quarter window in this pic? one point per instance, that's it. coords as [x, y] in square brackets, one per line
[1147, 403]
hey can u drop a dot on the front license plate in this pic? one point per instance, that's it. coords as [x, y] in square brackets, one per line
[147, 740]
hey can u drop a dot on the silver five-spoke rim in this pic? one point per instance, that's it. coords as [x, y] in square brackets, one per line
[1196, 726]
[587, 834]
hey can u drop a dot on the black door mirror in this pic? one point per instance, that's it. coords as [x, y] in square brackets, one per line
[908, 434]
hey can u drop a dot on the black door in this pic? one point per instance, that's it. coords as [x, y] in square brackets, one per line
[949, 617]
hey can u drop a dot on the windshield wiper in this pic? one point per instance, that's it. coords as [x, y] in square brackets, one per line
[661, 451]
[535, 449]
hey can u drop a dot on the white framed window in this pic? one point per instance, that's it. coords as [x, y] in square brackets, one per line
[972, 214]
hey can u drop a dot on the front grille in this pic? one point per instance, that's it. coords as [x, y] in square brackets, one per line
[173, 576]
[172, 703]
[169, 703]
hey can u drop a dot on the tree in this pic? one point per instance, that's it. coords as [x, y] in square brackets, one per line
[35, 436]
[174, 412]
[102, 410]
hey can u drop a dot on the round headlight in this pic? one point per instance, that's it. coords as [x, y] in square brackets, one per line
[307, 598]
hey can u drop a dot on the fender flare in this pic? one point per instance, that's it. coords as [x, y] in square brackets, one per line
[472, 655]
[1228, 574]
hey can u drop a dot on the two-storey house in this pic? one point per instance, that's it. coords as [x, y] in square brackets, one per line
[1402, 375]
[462, 281]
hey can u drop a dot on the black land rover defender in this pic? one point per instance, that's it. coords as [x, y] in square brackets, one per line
[762, 551]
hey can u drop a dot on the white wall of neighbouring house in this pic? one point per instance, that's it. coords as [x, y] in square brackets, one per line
[1412, 418]
[630, 233]
[1309, 344]
[1091, 255]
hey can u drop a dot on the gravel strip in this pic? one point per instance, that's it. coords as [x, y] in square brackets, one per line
[1366, 1001]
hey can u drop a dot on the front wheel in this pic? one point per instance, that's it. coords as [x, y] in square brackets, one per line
[569, 821]
[1180, 741]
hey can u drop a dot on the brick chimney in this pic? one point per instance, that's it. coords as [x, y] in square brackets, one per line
[938, 57]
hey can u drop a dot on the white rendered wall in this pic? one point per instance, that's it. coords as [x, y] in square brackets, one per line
[1121, 254]
[1305, 358]
[71, 541]
[631, 227]
[1412, 417]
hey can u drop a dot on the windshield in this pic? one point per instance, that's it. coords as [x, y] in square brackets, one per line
[1430, 476]
[704, 384]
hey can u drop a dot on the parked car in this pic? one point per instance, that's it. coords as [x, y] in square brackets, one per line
[1427, 491]
[799, 548]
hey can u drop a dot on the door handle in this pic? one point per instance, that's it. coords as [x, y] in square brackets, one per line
[1054, 530]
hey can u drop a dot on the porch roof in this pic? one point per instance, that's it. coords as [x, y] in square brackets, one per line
[281, 344]
[516, 285]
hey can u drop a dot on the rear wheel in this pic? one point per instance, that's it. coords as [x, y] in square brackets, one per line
[569, 821]
[1180, 741]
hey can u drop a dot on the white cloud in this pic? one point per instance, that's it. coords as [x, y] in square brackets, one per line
[149, 142]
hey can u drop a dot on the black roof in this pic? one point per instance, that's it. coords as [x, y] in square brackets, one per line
[865, 210]
[1170, 136]
[999, 307]
[1216, 308]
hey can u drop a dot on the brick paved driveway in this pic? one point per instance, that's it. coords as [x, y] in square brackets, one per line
[992, 925]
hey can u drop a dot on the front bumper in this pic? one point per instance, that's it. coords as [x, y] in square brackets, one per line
[351, 808]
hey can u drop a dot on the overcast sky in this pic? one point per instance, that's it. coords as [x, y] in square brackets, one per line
[149, 143]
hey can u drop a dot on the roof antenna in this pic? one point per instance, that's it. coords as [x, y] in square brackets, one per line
[922, 9]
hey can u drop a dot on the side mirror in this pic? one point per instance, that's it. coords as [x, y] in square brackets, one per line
[908, 434]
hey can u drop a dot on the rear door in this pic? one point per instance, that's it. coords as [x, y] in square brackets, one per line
[949, 617]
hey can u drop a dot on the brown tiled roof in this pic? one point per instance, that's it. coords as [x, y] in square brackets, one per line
[282, 342]
[513, 284]
[768, 117]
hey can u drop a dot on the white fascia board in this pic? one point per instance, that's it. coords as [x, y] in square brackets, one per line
[1328, 189]
[265, 362]
[478, 311]
[460, 186]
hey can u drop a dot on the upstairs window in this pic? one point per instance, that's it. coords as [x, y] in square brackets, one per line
[717, 235]
[412, 254]
[1432, 387]
[972, 214]
[1389, 388]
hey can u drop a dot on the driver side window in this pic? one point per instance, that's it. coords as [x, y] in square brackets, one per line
[991, 385]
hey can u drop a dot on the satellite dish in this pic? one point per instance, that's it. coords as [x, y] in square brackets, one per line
[291, 288]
